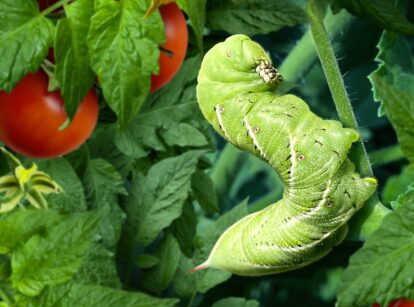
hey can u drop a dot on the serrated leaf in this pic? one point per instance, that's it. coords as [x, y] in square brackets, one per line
[103, 184]
[235, 302]
[99, 268]
[159, 277]
[73, 198]
[170, 117]
[383, 269]
[196, 11]
[157, 199]
[383, 12]
[92, 295]
[396, 185]
[253, 17]
[182, 88]
[187, 284]
[184, 228]
[73, 73]
[102, 145]
[55, 256]
[25, 37]
[123, 47]
[19, 226]
[150, 131]
[146, 261]
[205, 192]
[393, 86]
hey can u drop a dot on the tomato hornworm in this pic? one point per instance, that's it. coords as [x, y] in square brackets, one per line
[322, 191]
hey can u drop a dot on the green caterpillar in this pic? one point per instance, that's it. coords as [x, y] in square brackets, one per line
[321, 189]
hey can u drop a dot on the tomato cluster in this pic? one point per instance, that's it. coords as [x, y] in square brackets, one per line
[32, 118]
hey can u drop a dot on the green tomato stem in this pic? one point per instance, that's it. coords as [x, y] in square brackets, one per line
[371, 215]
[334, 78]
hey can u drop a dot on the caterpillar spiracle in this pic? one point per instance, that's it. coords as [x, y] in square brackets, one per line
[321, 188]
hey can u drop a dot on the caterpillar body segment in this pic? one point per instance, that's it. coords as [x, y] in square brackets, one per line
[321, 188]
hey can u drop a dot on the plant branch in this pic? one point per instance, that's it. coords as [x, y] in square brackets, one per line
[333, 75]
[371, 215]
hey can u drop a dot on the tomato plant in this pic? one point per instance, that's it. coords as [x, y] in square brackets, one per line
[174, 50]
[30, 118]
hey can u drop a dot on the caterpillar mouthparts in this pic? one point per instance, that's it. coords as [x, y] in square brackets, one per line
[268, 73]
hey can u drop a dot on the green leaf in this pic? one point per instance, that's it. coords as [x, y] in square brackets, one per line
[19, 226]
[253, 17]
[205, 192]
[150, 130]
[53, 257]
[201, 281]
[235, 302]
[73, 73]
[396, 185]
[102, 145]
[196, 11]
[383, 12]
[393, 86]
[183, 135]
[73, 198]
[70, 295]
[157, 199]
[103, 184]
[146, 261]
[159, 277]
[98, 267]
[383, 269]
[184, 229]
[123, 48]
[25, 37]
[181, 89]
[170, 117]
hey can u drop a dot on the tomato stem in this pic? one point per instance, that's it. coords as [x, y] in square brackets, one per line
[167, 51]
[371, 215]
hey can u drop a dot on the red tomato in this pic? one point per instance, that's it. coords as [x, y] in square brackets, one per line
[30, 118]
[398, 303]
[175, 47]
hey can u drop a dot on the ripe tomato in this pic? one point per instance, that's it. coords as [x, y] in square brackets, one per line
[398, 303]
[30, 118]
[175, 48]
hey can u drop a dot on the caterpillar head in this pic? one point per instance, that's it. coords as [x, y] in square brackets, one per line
[231, 74]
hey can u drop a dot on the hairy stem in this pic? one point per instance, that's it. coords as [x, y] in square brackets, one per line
[370, 217]
[334, 78]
